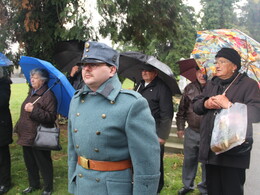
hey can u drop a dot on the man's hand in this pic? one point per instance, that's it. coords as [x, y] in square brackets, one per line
[180, 133]
[74, 70]
[162, 141]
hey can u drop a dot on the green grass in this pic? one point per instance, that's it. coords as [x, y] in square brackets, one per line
[18, 94]
[128, 84]
[173, 162]
[19, 173]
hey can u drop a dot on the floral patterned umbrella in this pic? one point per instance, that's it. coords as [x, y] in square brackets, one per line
[209, 42]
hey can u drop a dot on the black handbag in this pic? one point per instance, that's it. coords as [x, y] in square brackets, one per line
[47, 138]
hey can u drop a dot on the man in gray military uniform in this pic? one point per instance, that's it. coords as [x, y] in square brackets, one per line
[111, 132]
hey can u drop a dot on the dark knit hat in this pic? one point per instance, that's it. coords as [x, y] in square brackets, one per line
[230, 54]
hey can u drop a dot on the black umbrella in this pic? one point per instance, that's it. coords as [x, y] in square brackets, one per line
[131, 63]
[68, 53]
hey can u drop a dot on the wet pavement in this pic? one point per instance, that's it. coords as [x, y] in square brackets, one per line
[252, 184]
[18, 80]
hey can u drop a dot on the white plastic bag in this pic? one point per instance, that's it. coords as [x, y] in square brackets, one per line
[230, 127]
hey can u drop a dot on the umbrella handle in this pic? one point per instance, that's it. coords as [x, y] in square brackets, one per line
[47, 90]
[224, 93]
[138, 87]
[36, 100]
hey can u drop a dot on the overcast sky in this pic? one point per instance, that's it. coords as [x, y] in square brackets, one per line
[194, 3]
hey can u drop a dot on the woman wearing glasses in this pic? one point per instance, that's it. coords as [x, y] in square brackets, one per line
[225, 172]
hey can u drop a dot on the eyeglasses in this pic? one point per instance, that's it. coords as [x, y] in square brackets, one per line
[222, 62]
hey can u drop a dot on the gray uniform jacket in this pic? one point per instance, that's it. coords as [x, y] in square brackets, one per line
[112, 124]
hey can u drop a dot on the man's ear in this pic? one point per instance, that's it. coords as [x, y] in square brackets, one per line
[112, 71]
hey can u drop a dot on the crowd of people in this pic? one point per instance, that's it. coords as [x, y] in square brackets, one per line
[116, 137]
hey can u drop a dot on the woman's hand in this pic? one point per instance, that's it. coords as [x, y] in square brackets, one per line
[28, 107]
[222, 101]
[211, 104]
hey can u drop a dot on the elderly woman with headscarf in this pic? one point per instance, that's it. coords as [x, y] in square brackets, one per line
[225, 172]
[43, 111]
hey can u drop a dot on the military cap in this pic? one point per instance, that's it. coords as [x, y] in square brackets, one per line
[96, 52]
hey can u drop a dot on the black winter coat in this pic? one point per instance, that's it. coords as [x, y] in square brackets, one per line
[159, 97]
[6, 127]
[77, 81]
[244, 90]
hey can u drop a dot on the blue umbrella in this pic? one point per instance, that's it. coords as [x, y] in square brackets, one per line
[4, 61]
[59, 84]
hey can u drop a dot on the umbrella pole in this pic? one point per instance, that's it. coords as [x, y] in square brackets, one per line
[138, 87]
[36, 100]
[254, 72]
[47, 90]
[224, 93]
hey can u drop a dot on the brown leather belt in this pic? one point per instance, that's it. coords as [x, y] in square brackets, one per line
[104, 165]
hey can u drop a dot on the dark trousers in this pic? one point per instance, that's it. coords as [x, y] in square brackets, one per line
[161, 182]
[190, 162]
[36, 162]
[224, 180]
[5, 166]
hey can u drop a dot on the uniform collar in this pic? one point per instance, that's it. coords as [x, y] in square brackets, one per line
[108, 89]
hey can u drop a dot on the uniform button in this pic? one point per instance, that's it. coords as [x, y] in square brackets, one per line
[78, 114]
[80, 175]
[104, 116]
[87, 50]
[98, 132]
[97, 180]
[77, 146]
[112, 102]
[75, 130]
[82, 101]
[96, 150]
